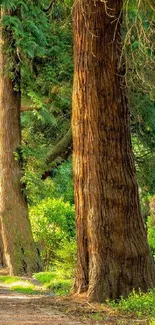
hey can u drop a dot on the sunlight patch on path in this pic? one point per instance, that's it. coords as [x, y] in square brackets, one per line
[14, 297]
[20, 309]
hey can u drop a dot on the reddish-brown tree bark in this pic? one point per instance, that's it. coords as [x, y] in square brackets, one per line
[113, 253]
[19, 249]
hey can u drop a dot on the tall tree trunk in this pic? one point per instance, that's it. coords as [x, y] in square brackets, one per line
[20, 252]
[113, 253]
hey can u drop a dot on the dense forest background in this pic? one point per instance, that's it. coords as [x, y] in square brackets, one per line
[47, 71]
[43, 41]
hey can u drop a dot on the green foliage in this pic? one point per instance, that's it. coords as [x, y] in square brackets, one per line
[143, 140]
[66, 257]
[60, 287]
[43, 45]
[7, 4]
[151, 235]
[46, 85]
[9, 279]
[58, 185]
[152, 322]
[145, 160]
[63, 182]
[139, 303]
[45, 277]
[97, 316]
[52, 220]
[143, 117]
[55, 281]
[53, 212]
[21, 285]
[50, 75]
[139, 44]
[29, 27]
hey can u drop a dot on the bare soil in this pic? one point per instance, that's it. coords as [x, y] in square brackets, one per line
[21, 309]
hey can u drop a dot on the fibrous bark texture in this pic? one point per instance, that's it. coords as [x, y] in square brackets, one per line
[113, 253]
[19, 249]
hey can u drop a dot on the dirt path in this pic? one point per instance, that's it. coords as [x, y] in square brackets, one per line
[20, 309]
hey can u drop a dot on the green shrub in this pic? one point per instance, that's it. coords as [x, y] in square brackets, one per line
[45, 277]
[55, 281]
[23, 287]
[63, 180]
[151, 234]
[61, 287]
[66, 257]
[52, 221]
[139, 303]
[7, 279]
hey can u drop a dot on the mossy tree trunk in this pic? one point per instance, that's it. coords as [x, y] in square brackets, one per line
[113, 253]
[20, 252]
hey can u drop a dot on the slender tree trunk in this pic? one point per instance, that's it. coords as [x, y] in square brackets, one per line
[113, 254]
[19, 249]
[2, 258]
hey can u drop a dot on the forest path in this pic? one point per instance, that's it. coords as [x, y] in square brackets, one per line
[23, 309]
[20, 309]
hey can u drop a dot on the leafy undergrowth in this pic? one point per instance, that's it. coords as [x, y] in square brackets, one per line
[9, 279]
[142, 304]
[25, 287]
[55, 281]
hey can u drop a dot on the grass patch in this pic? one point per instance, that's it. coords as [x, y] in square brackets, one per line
[7, 279]
[97, 316]
[17, 284]
[55, 281]
[45, 277]
[142, 304]
[23, 287]
[60, 287]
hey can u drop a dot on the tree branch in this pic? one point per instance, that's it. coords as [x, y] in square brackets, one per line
[60, 148]
[59, 153]
[50, 6]
[27, 108]
[151, 4]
